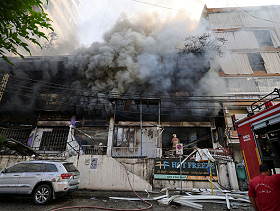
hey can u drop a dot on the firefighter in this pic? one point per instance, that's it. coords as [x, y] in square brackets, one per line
[264, 190]
[100, 149]
[174, 142]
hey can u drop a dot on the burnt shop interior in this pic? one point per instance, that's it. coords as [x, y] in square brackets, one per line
[268, 143]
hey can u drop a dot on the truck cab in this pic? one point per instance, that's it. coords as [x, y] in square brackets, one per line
[259, 135]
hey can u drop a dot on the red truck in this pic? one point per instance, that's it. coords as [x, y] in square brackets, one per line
[259, 134]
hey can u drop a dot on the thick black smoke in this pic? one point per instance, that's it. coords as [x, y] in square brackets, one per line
[137, 58]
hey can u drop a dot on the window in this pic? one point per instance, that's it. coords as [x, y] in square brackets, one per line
[263, 37]
[74, 11]
[47, 167]
[70, 167]
[54, 140]
[20, 167]
[35, 167]
[256, 61]
[62, 7]
[78, 3]
[49, 6]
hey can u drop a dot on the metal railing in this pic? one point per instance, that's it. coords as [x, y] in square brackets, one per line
[135, 152]
[87, 149]
[262, 101]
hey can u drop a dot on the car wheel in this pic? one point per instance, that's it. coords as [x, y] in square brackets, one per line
[42, 194]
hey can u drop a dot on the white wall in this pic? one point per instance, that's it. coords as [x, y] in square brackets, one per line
[108, 175]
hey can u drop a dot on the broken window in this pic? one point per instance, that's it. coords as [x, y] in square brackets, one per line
[256, 61]
[263, 37]
[19, 134]
[124, 137]
[55, 140]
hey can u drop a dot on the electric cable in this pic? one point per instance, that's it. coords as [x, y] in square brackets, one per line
[201, 98]
[23, 107]
[255, 16]
[127, 95]
[156, 5]
[175, 105]
[103, 19]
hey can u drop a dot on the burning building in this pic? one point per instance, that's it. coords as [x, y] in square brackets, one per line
[131, 93]
[134, 77]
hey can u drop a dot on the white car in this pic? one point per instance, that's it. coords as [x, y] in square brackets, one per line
[44, 180]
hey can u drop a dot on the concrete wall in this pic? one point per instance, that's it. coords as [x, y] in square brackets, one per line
[177, 184]
[145, 169]
[108, 174]
[6, 160]
[223, 175]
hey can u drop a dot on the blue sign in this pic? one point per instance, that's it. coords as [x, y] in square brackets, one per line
[191, 170]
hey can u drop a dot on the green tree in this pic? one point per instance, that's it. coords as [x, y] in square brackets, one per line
[21, 22]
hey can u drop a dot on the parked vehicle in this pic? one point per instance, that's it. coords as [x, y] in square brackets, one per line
[44, 180]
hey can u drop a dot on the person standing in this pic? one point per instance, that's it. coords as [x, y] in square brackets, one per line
[100, 149]
[264, 190]
[174, 142]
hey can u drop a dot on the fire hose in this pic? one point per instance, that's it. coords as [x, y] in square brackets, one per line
[105, 208]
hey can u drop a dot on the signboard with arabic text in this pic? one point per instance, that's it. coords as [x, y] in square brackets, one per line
[166, 169]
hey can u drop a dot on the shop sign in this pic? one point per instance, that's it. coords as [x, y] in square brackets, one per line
[191, 170]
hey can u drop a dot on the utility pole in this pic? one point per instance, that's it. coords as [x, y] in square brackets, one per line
[3, 84]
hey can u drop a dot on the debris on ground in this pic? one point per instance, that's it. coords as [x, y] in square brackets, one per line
[193, 197]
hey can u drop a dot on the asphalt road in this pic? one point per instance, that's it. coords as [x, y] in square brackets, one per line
[101, 199]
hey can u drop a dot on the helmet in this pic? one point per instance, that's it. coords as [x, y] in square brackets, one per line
[174, 135]
[100, 144]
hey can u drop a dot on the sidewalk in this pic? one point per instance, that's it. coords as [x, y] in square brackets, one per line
[85, 193]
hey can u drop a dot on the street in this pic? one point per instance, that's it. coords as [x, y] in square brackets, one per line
[101, 199]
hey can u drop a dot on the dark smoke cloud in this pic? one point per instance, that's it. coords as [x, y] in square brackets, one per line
[139, 57]
[134, 54]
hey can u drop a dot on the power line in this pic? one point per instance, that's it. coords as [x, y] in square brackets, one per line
[169, 8]
[125, 95]
[135, 96]
[255, 16]
[21, 106]
[103, 19]
[200, 1]
[175, 103]
[207, 109]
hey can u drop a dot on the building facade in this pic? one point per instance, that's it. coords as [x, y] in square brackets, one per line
[64, 15]
[250, 63]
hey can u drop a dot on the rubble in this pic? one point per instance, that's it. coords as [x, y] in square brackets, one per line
[193, 197]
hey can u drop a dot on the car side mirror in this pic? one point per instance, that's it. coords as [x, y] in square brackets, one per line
[4, 171]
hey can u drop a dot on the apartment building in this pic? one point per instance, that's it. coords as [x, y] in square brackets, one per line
[64, 15]
[251, 59]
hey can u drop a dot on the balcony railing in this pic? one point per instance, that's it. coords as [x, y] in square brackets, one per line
[136, 152]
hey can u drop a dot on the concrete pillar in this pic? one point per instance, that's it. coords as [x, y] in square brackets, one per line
[232, 176]
[110, 137]
[223, 175]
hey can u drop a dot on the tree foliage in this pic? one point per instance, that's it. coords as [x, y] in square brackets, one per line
[21, 22]
[203, 44]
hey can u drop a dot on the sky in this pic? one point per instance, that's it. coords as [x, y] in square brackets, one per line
[98, 16]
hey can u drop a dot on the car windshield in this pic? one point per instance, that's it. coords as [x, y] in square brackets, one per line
[70, 167]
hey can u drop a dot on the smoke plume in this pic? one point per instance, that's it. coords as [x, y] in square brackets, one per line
[138, 57]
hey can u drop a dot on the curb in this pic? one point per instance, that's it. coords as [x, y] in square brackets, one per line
[84, 193]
